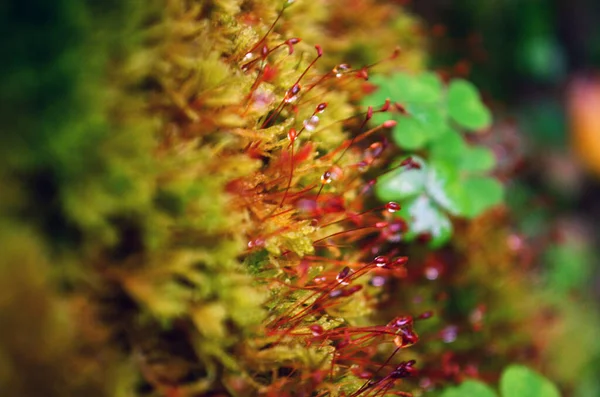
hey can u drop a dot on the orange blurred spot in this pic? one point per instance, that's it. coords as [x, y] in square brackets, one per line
[584, 118]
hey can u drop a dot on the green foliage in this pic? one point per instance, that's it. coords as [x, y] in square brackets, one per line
[452, 180]
[423, 200]
[431, 107]
[516, 380]
[465, 107]
[470, 388]
[439, 189]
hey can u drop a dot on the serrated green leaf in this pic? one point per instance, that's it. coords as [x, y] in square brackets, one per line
[470, 388]
[465, 106]
[521, 381]
[402, 184]
[478, 159]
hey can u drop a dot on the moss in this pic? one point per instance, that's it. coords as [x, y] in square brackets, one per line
[134, 192]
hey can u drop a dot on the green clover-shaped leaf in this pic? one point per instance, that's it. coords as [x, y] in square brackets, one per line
[402, 183]
[477, 159]
[421, 96]
[409, 133]
[384, 90]
[476, 194]
[409, 89]
[470, 388]
[516, 381]
[414, 131]
[441, 176]
[424, 217]
[465, 106]
[450, 183]
[449, 147]
[520, 381]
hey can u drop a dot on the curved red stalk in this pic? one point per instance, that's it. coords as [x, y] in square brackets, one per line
[268, 31]
[292, 135]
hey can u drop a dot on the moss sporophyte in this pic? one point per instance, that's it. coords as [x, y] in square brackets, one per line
[321, 255]
[305, 212]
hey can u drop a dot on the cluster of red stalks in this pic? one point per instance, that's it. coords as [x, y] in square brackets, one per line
[296, 188]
